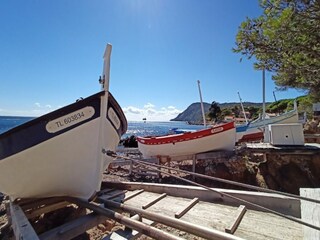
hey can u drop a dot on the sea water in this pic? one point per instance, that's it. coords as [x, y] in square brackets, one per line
[8, 122]
[136, 128]
[156, 128]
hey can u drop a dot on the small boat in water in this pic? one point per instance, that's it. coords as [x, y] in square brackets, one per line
[63, 153]
[221, 137]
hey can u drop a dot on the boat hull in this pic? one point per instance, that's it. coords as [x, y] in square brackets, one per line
[58, 154]
[255, 130]
[216, 138]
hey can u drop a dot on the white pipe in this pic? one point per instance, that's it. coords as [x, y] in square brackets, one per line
[202, 109]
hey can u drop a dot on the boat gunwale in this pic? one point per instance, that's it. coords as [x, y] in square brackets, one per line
[48, 116]
[53, 115]
[22, 137]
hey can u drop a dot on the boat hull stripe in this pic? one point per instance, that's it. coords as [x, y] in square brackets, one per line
[23, 136]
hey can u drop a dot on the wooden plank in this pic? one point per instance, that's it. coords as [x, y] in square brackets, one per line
[21, 226]
[310, 212]
[239, 215]
[133, 195]
[187, 208]
[154, 201]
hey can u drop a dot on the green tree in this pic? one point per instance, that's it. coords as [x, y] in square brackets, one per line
[254, 111]
[214, 111]
[285, 40]
[278, 106]
[236, 110]
[225, 112]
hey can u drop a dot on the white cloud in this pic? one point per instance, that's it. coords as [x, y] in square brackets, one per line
[148, 111]
[151, 113]
[132, 110]
[37, 104]
[35, 110]
[149, 105]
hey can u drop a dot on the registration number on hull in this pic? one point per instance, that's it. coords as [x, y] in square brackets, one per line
[70, 119]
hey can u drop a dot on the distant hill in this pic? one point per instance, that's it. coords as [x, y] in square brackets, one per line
[193, 112]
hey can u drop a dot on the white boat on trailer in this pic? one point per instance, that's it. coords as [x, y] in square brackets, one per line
[63, 153]
[221, 137]
[254, 131]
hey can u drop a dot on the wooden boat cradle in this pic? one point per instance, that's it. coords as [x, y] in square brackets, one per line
[148, 196]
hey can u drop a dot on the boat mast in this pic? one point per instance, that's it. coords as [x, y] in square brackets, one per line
[104, 103]
[106, 68]
[263, 94]
[266, 133]
[274, 96]
[244, 113]
[202, 109]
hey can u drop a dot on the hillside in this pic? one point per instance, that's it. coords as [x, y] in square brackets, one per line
[193, 112]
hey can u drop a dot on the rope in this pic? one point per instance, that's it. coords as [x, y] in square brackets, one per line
[227, 181]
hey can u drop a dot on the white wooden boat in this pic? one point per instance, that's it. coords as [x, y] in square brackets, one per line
[63, 152]
[253, 131]
[221, 137]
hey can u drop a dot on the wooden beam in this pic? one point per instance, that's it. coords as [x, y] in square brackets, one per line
[187, 208]
[133, 195]
[21, 226]
[239, 215]
[154, 201]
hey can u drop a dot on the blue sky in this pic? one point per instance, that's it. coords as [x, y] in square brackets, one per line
[51, 54]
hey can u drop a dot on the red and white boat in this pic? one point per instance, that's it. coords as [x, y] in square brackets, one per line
[221, 137]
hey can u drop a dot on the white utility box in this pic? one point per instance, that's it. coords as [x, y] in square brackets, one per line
[286, 134]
